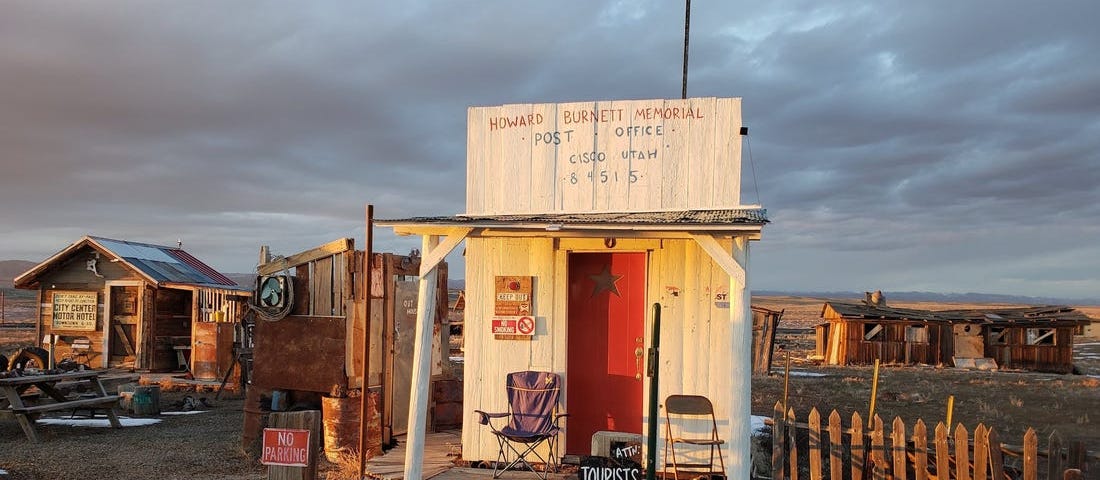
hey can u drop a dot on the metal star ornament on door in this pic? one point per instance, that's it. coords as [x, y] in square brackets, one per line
[605, 281]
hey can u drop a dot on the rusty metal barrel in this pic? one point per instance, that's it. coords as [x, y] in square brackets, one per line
[255, 419]
[341, 426]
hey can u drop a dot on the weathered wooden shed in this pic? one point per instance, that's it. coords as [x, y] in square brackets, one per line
[579, 217]
[136, 305]
[1033, 338]
[320, 333]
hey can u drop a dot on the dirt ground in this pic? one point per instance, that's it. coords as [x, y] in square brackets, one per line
[207, 445]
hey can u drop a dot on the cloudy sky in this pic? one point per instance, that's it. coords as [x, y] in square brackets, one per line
[939, 146]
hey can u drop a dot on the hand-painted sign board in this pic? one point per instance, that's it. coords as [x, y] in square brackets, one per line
[513, 295]
[75, 311]
[285, 447]
[604, 156]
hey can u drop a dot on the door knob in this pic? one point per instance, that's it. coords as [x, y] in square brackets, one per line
[638, 352]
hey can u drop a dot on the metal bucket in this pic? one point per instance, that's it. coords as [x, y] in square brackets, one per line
[341, 426]
[145, 401]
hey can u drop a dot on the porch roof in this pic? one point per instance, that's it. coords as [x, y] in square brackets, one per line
[730, 221]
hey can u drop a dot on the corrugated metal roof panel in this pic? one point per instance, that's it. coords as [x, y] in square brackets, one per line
[208, 274]
[752, 216]
[134, 250]
[1050, 314]
[165, 264]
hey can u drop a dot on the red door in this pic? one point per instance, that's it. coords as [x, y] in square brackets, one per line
[606, 340]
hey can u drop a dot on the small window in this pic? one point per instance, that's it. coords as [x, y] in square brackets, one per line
[874, 332]
[916, 334]
[998, 336]
[1040, 336]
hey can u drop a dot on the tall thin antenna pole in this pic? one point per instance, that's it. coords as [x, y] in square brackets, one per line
[687, 28]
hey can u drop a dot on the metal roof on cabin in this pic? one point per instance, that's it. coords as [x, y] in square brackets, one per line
[165, 264]
[1047, 314]
[750, 216]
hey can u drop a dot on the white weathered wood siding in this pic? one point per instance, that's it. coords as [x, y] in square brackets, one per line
[696, 353]
[650, 155]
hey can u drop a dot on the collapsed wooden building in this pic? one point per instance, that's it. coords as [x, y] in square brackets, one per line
[1036, 338]
[115, 303]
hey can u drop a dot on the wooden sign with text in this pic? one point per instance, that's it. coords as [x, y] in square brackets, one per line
[76, 311]
[604, 156]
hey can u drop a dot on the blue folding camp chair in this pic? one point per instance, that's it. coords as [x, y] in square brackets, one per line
[532, 421]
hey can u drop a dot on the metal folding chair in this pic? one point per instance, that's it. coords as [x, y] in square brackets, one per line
[692, 411]
[532, 422]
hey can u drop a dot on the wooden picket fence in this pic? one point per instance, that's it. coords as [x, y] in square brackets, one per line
[869, 452]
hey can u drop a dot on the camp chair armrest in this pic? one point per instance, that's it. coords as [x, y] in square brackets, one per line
[483, 417]
[559, 416]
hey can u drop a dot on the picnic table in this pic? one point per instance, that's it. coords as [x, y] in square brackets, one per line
[13, 390]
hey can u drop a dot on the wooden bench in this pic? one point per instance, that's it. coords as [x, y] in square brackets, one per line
[12, 389]
[68, 405]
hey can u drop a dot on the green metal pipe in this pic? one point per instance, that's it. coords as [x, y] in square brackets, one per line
[653, 370]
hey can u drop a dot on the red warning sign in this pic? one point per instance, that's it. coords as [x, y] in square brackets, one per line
[525, 326]
[286, 447]
[513, 325]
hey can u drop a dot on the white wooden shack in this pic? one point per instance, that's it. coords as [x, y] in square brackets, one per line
[581, 216]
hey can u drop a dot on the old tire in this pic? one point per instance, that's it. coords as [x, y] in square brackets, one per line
[29, 356]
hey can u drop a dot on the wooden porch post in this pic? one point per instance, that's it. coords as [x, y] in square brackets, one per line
[740, 413]
[736, 265]
[433, 254]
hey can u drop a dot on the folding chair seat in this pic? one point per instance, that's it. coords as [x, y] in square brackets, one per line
[532, 421]
[692, 433]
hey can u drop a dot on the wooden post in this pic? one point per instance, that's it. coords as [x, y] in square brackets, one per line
[740, 341]
[815, 444]
[786, 380]
[363, 414]
[836, 446]
[779, 437]
[422, 362]
[874, 393]
[1031, 455]
[1054, 455]
[950, 409]
[792, 444]
[962, 453]
[897, 447]
[920, 451]
[859, 456]
[943, 455]
[304, 420]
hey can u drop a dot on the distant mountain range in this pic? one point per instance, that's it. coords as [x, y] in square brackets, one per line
[969, 297]
[9, 269]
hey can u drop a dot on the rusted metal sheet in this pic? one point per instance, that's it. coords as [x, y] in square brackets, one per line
[212, 350]
[300, 353]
